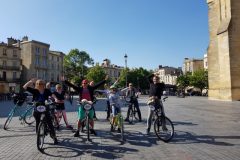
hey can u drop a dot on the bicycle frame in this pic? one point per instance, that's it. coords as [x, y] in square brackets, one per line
[22, 115]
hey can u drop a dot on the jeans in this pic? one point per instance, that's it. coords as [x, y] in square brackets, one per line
[136, 105]
[151, 112]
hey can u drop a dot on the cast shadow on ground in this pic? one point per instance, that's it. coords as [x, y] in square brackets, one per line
[75, 148]
[182, 137]
[175, 123]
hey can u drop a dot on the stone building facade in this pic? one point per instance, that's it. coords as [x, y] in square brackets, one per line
[168, 75]
[55, 66]
[192, 65]
[34, 56]
[110, 69]
[224, 49]
[10, 67]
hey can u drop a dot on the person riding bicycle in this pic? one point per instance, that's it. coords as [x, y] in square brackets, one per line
[155, 92]
[59, 96]
[94, 115]
[85, 92]
[132, 94]
[40, 95]
[114, 100]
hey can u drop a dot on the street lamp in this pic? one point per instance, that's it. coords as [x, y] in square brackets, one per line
[125, 57]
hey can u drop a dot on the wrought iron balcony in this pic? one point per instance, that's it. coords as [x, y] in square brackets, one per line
[10, 67]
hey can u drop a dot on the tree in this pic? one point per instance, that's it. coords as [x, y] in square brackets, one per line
[137, 76]
[96, 74]
[183, 81]
[199, 79]
[75, 64]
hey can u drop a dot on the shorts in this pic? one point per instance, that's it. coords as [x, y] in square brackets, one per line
[115, 110]
[60, 106]
[81, 113]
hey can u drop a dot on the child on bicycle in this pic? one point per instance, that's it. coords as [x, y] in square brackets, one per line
[59, 96]
[114, 100]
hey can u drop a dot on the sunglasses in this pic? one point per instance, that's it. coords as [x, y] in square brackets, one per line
[40, 84]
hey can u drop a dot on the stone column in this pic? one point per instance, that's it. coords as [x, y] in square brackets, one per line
[224, 49]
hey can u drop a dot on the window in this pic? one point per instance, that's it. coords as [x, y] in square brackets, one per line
[44, 51]
[37, 51]
[14, 75]
[37, 60]
[58, 59]
[14, 53]
[14, 63]
[4, 51]
[4, 63]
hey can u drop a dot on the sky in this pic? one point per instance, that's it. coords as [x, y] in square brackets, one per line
[150, 32]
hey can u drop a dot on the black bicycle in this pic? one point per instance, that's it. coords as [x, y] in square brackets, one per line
[133, 114]
[163, 126]
[43, 128]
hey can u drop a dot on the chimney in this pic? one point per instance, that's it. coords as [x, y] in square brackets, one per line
[25, 38]
[11, 41]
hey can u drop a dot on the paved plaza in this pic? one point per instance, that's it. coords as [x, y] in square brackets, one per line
[204, 130]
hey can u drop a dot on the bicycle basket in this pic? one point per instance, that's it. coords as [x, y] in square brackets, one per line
[128, 99]
[19, 99]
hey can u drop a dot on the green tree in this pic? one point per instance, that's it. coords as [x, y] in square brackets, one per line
[75, 64]
[183, 81]
[199, 79]
[137, 76]
[96, 74]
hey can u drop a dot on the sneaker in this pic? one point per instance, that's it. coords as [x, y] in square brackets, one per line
[140, 120]
[112, 129]
[147, 131]
[55, 141]
[119, 130]
[126, 120]
[76, 134]
[92, 131]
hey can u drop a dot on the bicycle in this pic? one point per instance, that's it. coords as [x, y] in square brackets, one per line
[43, 128]
[117, 123]
[133, 114]
[24, 117]
[87, 106]
[163, 126]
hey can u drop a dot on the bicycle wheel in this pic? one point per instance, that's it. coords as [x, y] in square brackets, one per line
[55, 121]
[28, 117]
[41, 135]
[135, 114]
[122, 127]
[165, 133]
[88, 128]
[7, 122]
[131, 115]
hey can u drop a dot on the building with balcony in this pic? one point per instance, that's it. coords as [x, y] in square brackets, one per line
[112, 70]
[192, 65]
[39, 62]
[55, 66]
[10, 67]
[168, 75]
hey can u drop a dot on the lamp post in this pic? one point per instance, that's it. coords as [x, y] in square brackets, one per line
[125, 57]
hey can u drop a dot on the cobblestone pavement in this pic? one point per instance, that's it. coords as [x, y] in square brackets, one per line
[204, 130]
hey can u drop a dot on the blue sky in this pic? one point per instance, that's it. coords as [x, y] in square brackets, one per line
[150, 32]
